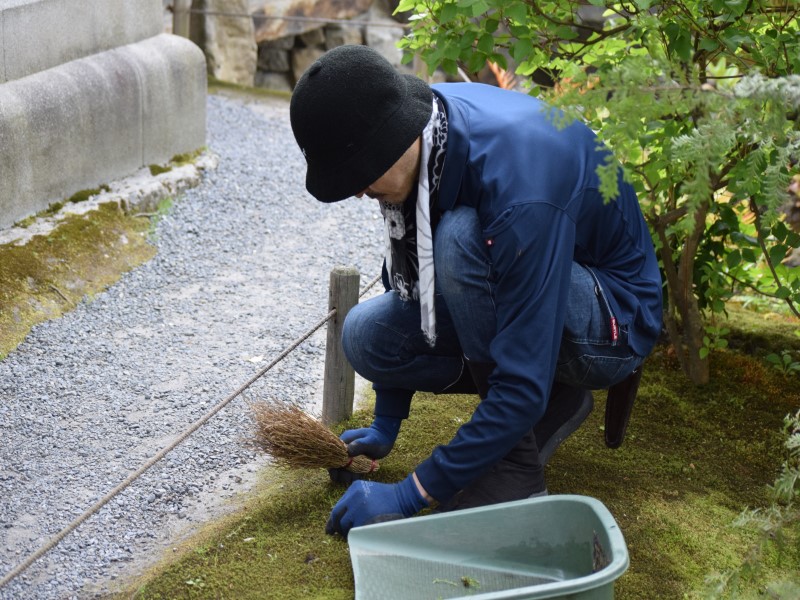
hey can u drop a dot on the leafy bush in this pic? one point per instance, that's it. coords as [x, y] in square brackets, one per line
[699, 100]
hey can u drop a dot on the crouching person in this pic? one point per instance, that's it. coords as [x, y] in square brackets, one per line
[506, 273]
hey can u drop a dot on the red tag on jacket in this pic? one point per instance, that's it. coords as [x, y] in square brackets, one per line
[614, 329]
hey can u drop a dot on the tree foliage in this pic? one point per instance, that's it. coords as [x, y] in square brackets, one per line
[699, 99]
[777, 525]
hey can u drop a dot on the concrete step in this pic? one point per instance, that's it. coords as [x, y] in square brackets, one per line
[93, 120]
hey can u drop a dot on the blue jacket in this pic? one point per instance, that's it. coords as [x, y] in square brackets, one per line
[536, 191]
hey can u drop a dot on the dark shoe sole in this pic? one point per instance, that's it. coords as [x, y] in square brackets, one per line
[561, 420]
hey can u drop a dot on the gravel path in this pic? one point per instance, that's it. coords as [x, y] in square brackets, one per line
[242, 271]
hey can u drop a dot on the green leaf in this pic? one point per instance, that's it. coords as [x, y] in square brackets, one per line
[680, 41]
[480, 7]
[703, 353]
[517, 12]
[491, 25]
[565, 32]
[708, 44]
[777, 253]
[749, 255]
[405, 5]
[526, 67]
[734, 38]
[449, 66]
[451, 52]
[743, 239]
[486, 43]
[733, 259]
[499, 60]
[521, 50]
[737, 7]
[448, 13]
[783, 293]
[780, 231]
[476, 62]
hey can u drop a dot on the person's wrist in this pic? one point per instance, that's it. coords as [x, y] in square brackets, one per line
[422, 491]
[388, 426]
[410, 500]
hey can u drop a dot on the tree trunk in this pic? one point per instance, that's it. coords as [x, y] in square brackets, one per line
[682, 316]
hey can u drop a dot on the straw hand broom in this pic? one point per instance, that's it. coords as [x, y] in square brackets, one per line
[297, 440]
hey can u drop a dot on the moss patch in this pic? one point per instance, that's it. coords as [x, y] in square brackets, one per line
[693, 459]
[158, 169]
[85, 195]
[50, 274]
[215, 86]
[178, 160]
[186, 158]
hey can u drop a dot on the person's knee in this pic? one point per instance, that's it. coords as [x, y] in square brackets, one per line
[373, 337]
[356, 332]
[456, 236]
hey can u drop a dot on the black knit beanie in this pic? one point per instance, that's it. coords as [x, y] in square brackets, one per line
[353, 116]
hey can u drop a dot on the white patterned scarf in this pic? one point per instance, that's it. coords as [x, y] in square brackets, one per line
[409, 227]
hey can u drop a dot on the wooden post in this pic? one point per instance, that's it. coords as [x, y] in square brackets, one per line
[339, 379]
[181, 17]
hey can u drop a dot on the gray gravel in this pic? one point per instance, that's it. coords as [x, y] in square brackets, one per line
[242, 271]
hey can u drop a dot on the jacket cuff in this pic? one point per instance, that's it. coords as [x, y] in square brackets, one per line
[392, 402]
[436, 483]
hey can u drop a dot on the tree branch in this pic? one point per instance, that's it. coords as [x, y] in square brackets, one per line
[672, 216]
[751, 286]
[763, 245]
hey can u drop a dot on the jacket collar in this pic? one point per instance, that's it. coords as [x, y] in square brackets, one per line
[457, 151]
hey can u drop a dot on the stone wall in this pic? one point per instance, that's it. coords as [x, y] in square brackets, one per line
[286, 48]
[274, 47]
[228, 40]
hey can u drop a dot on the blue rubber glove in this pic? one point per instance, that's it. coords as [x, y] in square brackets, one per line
[367, 502]
[375, 441]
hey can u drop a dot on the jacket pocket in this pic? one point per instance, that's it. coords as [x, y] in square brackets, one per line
[613, 325]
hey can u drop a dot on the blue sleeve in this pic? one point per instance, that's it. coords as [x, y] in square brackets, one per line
[531, 246]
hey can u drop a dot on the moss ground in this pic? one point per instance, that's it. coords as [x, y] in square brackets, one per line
[51, 274]
[693, 459]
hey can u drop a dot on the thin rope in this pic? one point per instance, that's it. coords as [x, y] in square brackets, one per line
[53, 542]
[257, 16]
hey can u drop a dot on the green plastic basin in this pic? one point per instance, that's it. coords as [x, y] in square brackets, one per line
[559, 546]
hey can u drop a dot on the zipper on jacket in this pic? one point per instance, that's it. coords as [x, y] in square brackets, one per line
[612, 320]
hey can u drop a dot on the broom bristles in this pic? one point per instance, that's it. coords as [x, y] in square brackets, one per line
[295, 439]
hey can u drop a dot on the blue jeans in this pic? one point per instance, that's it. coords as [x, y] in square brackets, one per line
[383, 341]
